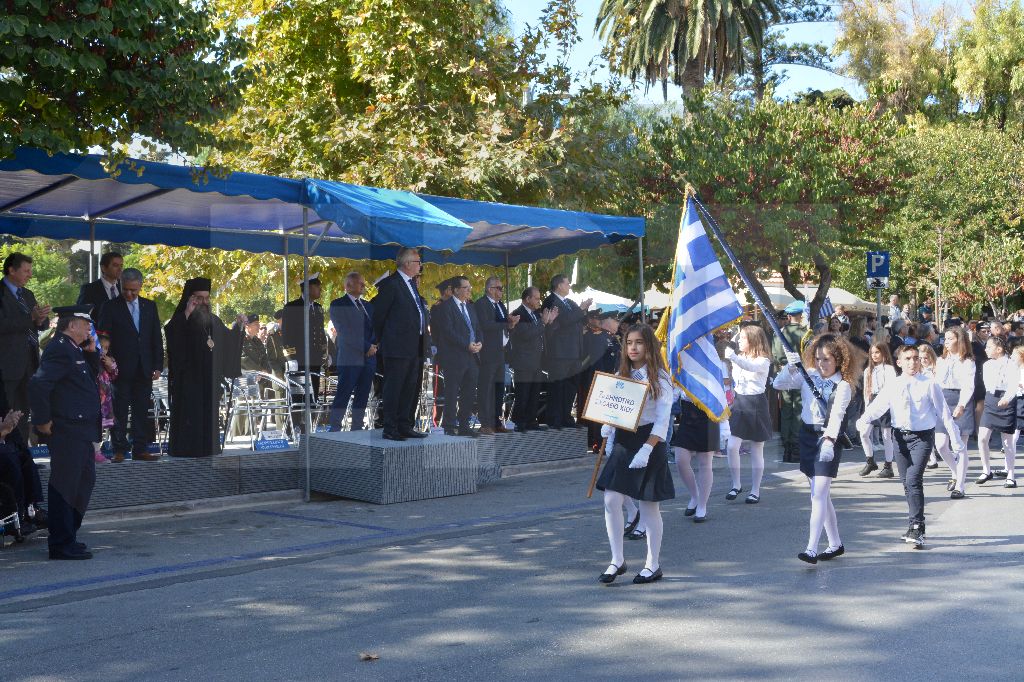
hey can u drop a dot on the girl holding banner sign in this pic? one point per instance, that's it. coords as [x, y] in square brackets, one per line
[637, 463]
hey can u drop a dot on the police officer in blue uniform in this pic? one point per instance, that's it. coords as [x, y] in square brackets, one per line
[65, 402]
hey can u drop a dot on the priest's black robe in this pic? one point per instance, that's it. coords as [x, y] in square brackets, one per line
[195, 380]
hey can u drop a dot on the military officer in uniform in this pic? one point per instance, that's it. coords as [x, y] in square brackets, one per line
[254, 353]
[789, 409]
[65, 401]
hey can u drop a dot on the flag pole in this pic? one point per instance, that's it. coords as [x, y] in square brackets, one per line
[769, 313]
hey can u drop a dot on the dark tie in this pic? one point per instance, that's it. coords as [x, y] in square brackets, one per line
[359, 304]
[419, 308]
[113, 291]
[469, 323]
[499, 313]
[33, 336]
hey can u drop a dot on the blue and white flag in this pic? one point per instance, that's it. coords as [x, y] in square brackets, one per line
[702, 301]
[826, 309]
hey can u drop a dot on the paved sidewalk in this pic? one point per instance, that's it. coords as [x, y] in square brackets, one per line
[502, 585]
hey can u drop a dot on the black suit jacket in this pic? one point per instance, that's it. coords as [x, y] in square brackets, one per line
[565, 333]
[293, 330]
[452, 334]
[396, 324]
[64, 390]
[15, 325]
[138, 353]
[493, 325]
[526, 342]
[94, 294]
[355, 331]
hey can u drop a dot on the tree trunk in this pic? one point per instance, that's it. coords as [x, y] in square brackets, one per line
[693, 78]
[824, 284]
[787, 278]
[757, 73]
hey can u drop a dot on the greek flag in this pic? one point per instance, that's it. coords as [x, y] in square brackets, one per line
[702, 301]
[826, 309]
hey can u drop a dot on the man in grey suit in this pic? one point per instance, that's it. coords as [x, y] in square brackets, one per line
[21, 320]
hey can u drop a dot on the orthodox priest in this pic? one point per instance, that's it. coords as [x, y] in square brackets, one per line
[201, 353]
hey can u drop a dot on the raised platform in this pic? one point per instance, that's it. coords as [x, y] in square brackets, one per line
[176, 479]
[361, 465]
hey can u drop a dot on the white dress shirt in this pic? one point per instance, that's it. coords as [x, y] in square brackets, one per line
[1000, 374]
[659, 411]
[812, 411]
[915, 403]
[880, 376]
[749, 375]
[958, 375]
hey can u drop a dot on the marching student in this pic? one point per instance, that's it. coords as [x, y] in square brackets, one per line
[637, 463]
[917, 406]
[1001, 376]
[877, 374]
[954, 372]
[834, 374]
[696, 438]
[928, 362]
[1018, 357]
[751, 421]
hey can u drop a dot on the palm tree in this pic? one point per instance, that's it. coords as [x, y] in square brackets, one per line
[682, 40]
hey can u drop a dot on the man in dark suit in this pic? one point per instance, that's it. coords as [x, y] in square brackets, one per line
[294, 331]
[496, 324]
[21, 320]
[65, 401]
[107, 287]
[458, 347]
[563, 341]
[445, 290]
[400, 321]
[526, 355]
[356, 359]
[136, 344]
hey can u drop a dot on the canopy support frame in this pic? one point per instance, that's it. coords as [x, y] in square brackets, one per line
[307, 417]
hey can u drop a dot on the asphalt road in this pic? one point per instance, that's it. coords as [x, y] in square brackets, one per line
[502, 585]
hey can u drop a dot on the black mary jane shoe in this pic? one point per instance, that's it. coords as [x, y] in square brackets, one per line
[1010, 483]
[631, 525]
[700, 519]
[608, 578]
[832, 553]
[733, 493]
[809, 557]
[984, 478]
[690, 512]
[641, 579]
[636, 534]
[951, 485]
[956, 495]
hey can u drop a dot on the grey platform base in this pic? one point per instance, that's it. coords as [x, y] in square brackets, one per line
[178, 479]
[514, 449]
[361, 465]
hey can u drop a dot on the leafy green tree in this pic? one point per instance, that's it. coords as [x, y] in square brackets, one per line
[76, 75]
[50, 282]
[989, 59]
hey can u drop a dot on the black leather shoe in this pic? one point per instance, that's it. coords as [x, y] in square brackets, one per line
[956, 495]
[951, 485]
[809, 557]
[733, 493]
[984, 478]
[608, 578]
[389, 435]
[832, 553]
[700, 519]
[631, 526]
[413, 433]
[70, 554]
[641, 579]
[450, 432]
[538, 427]
[467, 433]
[690, 512]
[1001, 473]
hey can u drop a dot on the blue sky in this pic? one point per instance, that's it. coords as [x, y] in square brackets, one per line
[799, 78]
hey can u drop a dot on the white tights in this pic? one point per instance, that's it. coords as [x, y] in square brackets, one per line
[957, 466]
[823, 514]
[887, 445]
[700, 484]
[756, 463]
[984, 435]
[650, 516]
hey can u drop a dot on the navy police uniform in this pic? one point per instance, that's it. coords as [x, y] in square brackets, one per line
[64, 391]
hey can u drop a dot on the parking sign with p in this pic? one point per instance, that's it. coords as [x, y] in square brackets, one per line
[878, 270]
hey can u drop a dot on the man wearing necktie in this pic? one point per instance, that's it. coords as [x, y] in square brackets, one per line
[21, 320]
[356, 359]
[136, 344]
[293, 328]
[107, 287]
[526, 354]
[459, 334]
[563, 348]
[400, 322]
[496, 324]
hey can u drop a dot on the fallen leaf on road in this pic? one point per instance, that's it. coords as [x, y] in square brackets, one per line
[364, 656]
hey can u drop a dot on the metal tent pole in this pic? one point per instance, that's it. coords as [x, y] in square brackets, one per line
[640, 251]
[92, 247]
[308, 385]
[285, 265]
[506, 281]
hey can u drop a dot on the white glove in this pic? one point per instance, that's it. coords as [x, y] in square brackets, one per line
[642, 455]
[729, 353]
[827, 451]
[861, 425]
[792, 357]
[607, 431]
[609, 445]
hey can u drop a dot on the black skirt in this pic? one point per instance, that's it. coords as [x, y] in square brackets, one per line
[695, 431]
[1020, 413]
[653, 483]
[809, 464]
[1001, 419]
[750, 419]
[966, 421]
